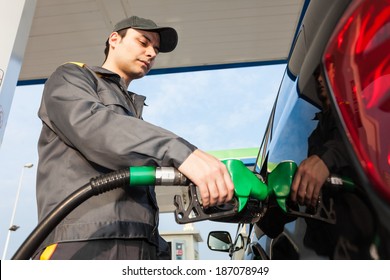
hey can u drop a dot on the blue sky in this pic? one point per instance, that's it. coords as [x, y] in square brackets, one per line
[215, 110]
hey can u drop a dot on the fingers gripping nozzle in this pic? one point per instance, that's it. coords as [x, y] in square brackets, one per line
[194, 211]
[246, 185]
[249, 192]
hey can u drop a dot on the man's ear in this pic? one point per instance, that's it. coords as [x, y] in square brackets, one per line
[114, 38]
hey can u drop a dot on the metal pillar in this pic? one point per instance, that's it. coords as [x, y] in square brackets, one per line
[15, 22]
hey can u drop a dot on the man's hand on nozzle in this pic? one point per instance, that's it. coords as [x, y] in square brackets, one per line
[308, 181]
[211, 176]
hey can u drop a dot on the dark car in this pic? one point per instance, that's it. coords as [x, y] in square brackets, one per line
[348, 41]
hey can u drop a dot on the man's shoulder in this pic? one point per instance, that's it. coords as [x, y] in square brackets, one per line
[70, 67]
[71, 72]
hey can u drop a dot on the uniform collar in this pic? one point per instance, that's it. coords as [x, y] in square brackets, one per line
[109, 74]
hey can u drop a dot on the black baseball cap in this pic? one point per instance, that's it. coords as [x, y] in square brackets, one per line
[168, 35]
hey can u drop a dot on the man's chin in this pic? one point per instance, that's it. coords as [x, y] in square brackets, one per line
[139, 75]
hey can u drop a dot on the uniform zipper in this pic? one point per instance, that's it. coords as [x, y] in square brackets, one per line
[131, 100]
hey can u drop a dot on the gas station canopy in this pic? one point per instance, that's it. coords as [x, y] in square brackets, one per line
[212, 33]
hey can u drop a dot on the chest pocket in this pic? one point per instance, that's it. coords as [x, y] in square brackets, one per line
[116, 103]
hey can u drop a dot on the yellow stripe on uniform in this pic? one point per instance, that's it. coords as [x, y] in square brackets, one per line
[48, 252]
[80, 64]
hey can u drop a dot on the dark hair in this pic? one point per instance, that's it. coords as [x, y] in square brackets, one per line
[121, 33]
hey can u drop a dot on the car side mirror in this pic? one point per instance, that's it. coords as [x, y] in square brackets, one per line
[219, 241]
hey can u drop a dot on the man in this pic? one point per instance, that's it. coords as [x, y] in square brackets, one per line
[326, 152]
[354, 231]
[93, 125]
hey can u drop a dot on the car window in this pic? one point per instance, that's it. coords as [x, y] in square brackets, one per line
[291, 135]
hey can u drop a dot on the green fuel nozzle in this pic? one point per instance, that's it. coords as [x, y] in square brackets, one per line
[248, 185]
[249, 192]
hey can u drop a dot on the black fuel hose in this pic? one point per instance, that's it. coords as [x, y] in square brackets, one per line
[96, 186]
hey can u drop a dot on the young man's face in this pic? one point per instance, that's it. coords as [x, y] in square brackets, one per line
[133, 55]
[322, 91]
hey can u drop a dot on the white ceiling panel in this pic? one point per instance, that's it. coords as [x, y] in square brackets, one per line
[211, 32]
